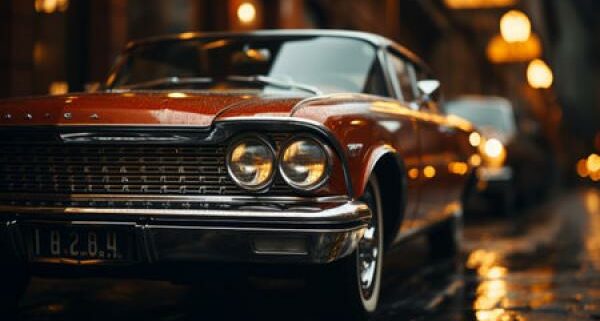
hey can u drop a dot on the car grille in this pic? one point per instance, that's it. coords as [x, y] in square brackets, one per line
[128, 169]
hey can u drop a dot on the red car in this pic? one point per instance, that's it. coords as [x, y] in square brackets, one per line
[286, 148]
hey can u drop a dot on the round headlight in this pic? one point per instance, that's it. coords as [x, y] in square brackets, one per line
[493, 148]
[304, 164]
[493, 152]
[250, 163]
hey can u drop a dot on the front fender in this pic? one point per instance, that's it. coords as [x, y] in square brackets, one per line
[373, 156]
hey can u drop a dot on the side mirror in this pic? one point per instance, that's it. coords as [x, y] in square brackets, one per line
[428, 86]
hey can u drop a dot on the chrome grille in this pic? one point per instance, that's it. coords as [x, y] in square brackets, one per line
[128, 169]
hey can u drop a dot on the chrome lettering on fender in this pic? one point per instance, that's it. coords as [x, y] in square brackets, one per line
[354, 149]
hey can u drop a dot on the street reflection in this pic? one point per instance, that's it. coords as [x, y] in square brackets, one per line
[492, 290]
[592, 241]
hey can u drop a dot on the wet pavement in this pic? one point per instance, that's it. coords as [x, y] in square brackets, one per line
[539, 265]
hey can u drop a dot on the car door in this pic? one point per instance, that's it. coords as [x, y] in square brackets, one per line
[429, 174]
[451, 163]
[403, 91]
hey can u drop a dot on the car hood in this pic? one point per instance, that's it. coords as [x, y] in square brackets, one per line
[142, 109]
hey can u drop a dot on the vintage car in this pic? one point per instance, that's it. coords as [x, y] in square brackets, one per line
[514, 169]
[496, 126]
[268, 148]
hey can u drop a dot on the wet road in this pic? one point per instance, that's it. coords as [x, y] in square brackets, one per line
[545, 267]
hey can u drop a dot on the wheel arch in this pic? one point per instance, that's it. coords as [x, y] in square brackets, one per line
[388, 166]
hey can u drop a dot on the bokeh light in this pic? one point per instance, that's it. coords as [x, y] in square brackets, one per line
[429, 171]
[58, 88]
[51, 6]
[539, 74]
[501, 51]
[515, 26]
[589, 167]
[478, 4]
[475, 139]
[493, 148]
[246, 12]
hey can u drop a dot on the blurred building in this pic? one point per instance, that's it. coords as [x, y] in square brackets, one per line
[56, 46]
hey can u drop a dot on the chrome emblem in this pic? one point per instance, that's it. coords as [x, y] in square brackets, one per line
[28, 116]
[68, 115]
[7, 116]
[94, 116]
[354, 149]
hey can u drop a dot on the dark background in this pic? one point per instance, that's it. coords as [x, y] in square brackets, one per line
[54, 46]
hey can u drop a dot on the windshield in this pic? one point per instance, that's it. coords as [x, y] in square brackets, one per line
[485, 114]
[329, 64]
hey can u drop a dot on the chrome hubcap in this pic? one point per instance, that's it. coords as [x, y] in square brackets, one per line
[368, 250]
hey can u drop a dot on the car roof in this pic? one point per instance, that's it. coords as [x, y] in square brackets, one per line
[374, 39]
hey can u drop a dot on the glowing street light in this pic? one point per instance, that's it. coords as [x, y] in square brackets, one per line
[515, 26]
[539, 75]
[502, 51]
[51, 6]
[246, 13]
[478, 4]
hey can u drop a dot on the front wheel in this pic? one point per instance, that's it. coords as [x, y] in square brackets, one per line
[352, 285]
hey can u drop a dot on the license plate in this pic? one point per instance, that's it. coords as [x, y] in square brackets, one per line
[80, 244]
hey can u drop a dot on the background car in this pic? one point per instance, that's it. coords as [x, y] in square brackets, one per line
[515, 169]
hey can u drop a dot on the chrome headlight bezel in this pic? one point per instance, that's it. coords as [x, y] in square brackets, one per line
[273, 155]
[326, 172]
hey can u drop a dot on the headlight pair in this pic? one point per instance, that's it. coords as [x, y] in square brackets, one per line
[303, 163]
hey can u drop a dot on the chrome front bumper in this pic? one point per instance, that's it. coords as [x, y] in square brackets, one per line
[252, 234]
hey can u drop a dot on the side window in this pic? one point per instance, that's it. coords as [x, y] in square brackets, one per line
[404, 75]
[376, 82]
